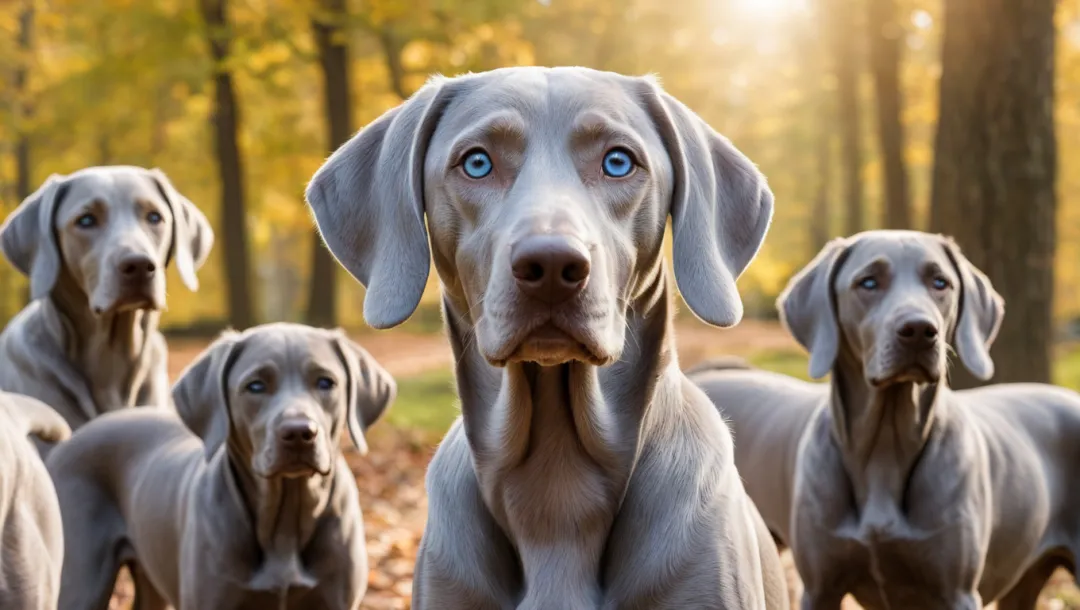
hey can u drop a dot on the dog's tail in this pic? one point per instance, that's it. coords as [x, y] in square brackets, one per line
[720, 363]
[32, 416]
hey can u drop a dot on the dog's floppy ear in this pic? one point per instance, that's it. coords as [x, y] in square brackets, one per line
[368, 202]
[369, 388]
[28, 239]
[192, 236]
[201, 396]
[720, 209]
[808, 307]
[979, 314]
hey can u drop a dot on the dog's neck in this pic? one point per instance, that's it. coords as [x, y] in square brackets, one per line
[110, 349]
[881, 433]
[554, 447]
[285, 513]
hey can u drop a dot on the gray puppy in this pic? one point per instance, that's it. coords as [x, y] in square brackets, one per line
[263, 514]
[31, 538]
[95, 245]
[885, 483]
[586, 472]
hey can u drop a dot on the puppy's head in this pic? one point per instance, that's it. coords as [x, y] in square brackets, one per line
[895, 300]
[112, 231]
[546, 193]
[280, 395]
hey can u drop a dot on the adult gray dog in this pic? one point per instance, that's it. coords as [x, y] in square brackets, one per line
[95, 245]
[587, 471]
[31, 538]
[885, 483]
[263, 514]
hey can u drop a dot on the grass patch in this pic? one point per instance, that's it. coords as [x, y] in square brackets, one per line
[787, 362]
[1067, 368]
[425, 402]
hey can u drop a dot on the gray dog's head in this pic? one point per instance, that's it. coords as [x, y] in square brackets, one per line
[111, 231]
[895, 300]
[546, 192]
[281, 394]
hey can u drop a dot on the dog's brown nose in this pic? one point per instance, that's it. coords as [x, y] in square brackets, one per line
[298, 433]
[137, 268]
[917, 333]
[550, 268]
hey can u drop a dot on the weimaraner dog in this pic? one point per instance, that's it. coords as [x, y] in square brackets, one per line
[587, 471]
[31, 538]
[885, 483]
[263, 514]
[95, 245]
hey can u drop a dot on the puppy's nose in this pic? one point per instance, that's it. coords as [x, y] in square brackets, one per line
[298, 433]
[550, 268]
[137, 268]
[918, 333]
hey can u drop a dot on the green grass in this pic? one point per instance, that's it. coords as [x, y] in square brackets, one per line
[428, 402]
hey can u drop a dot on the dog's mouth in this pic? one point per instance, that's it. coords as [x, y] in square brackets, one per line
[128, 303]
[293, 467]
[917, 373]
[550, 344]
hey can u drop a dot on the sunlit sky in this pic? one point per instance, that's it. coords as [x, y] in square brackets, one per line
[768, 8]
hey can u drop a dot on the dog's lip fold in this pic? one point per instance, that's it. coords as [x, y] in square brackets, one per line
[549, 344]
[913, 373]
[295, 468]
[128, 303]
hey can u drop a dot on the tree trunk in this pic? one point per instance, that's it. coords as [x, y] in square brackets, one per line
[334, 62]
[392, 54]
[886, 36]
[23, 180]
[819, 214]
[225, 121]
[845, 60]
[995, 167]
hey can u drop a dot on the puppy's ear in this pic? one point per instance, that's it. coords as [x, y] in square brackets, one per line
[192, 236]
[808, 307]
[369, 388]
[368, 202]
[201, 396]
[979, 314]
[720, 209]
[28, 239]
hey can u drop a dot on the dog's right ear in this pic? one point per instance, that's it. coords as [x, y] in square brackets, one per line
[192, 236]
[201, 396]
[368, 202]
[808, 307]
[28, 240]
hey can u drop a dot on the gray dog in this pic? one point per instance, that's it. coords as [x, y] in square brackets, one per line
[586, 472]
[31, 538]
[264, 514]
[95, 245]
[885, 483]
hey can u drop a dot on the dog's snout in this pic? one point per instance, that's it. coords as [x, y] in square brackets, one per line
[917, 333]
[298, 433]
[550, 268]
[137, 268]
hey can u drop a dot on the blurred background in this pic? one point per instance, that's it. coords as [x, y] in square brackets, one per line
[954, 116]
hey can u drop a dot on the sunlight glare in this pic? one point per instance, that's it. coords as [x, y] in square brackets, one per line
[768, 8]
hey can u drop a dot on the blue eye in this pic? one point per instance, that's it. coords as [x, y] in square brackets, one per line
[618, 163]
[255, 387]
[941, 283]
[86, 221]
[154, 218]
[477, 164]
[868, 283]
[325, 384]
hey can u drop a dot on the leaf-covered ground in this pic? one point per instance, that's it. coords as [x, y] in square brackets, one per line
[391, 476]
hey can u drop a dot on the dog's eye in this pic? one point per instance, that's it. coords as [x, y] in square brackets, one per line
[325, 384]
[940, 283]
[477, 164]
[154, 218]
[86, 221]
[618, 163]
[868, 283]
[255, 387]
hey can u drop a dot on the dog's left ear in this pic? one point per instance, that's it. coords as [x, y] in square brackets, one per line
[28, 239]
[192, 236]
[979, 314]
[721, 207]
[369, 389]
[200, 395]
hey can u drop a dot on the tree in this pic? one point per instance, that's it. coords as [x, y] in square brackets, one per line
[333, 48]
[225, 122]
[845, 54]
[886, 35]
[23, 179]
[996, 163]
